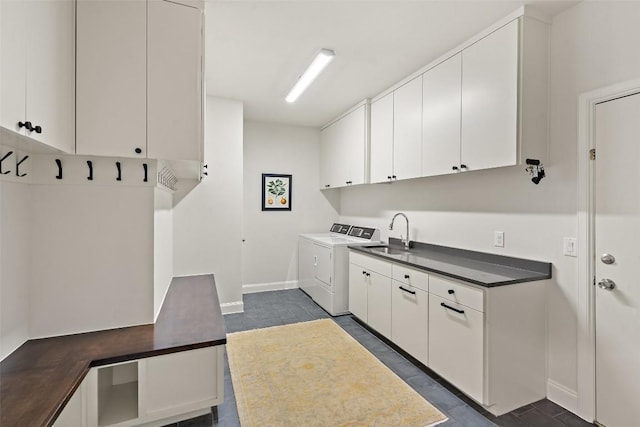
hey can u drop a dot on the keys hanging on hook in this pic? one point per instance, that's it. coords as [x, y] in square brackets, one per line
[2, 160]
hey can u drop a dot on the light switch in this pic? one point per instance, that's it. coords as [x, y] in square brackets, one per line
[569, 246]
[498, 239]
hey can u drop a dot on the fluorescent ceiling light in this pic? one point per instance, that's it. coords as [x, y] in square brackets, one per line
[321, 60]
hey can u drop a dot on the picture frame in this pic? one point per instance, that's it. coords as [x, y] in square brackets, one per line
[276, 192]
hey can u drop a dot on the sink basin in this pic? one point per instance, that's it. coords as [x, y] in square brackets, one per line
[389, 250]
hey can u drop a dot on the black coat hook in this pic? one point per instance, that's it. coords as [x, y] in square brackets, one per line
[118, 166]
[18, 167]
[90, 164]
[2, 159]
[144, 166]
[59, 163]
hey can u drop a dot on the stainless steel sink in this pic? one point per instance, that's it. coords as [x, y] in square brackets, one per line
[389, 250]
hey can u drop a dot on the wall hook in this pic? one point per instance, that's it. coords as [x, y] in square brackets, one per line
[90, 164]
[118, 166]
[59, 163]
[144, 166]
[18, 167]
[2, 159]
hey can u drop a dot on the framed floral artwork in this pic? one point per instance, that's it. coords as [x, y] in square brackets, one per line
[276, 192]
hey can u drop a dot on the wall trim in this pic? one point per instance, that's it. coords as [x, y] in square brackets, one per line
[586, 392]
[272, 286]
[562, 395]
[232, 307]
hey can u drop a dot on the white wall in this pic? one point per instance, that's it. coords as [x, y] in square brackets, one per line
[14, 266]
[162, 247]
[208, 220]
[91, 258]
[592, 45]
[270, 248]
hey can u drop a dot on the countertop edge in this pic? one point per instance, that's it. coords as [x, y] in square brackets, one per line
[535, 276]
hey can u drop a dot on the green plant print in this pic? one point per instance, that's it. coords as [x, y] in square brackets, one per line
[277, 188]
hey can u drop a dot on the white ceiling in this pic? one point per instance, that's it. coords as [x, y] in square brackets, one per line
[255, 50]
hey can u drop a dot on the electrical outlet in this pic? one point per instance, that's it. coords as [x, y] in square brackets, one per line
[570, 246]
[498, 239]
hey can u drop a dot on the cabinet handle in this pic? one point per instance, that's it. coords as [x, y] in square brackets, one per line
[389, 177]
[59, 163]
[90, 165]
[450, 291]
[327, 185]
[455, 168]
[138, 150]
[349, 182]
[37, 129]
[26, 125]
[364, 272]
[393, 176]
[463, 166]
[407, 290]
[452, 308]
[119, 168]
[406, 276]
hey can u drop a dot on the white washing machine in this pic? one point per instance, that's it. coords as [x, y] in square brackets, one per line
[323, 264]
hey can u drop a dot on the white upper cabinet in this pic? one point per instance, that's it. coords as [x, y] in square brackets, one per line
[490, 100]
[407, 130]
[381, 150]
[38, 79]
[441, 97]
[111, 118]
[140, 88]
[343, 146]
[174, 81]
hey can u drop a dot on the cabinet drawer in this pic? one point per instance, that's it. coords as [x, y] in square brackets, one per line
[370, 263]
[457, 292]
[456, 345]
[410, 276]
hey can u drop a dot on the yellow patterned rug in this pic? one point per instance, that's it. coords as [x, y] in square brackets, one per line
[316, 374]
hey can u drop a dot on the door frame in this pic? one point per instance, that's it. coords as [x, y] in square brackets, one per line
[586, 369]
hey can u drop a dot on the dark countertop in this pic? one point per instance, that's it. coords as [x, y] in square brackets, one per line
[38, 379]
[479, 268]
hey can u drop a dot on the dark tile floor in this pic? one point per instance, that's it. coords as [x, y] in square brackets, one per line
[283, 307]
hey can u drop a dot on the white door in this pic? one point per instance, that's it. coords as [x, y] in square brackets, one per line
[617, 229]
[323, 265]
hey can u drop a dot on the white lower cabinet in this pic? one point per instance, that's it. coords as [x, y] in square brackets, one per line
[489, 342]
[409, 319]
[456, 345]
[154, 391]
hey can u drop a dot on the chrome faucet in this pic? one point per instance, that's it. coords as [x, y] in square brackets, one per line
[406, 239]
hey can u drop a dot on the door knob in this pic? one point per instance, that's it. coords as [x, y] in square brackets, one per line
[607, 258]
[606, 284]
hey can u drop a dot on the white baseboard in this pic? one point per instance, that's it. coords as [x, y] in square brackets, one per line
[232, 307]
[273, 286]
[563, 396]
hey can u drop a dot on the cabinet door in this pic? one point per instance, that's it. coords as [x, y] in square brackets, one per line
[456, 345]
[358, 292]
[323, 265]
[407, 130]
[409, 311]
[441, 97]
[181, 382]
[353, 145]
[490, 100]
[50, 89]
[328, 157]
[111, 80]
[379, 303]
[13, 31]
[74, 413]
[174, 81]
[382, 139]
